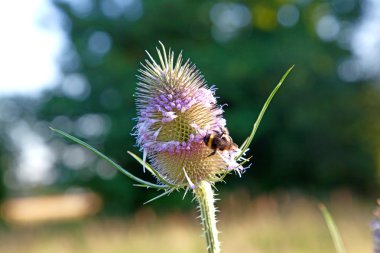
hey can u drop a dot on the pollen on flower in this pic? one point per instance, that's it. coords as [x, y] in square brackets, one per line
[175, 111]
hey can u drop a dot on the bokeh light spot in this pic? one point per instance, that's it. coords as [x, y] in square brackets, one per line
[63, 123]
[75, 157]
[131, 9]
[75, 86]
[349, 70]
[34, 163]
[104, 170]
[99, 43]
[9, 111]
[328, 28]
[227, 19]
[82, 8]
[134, 9]
[110, 9]
[288, 15]
[366, 40]
[92, 126]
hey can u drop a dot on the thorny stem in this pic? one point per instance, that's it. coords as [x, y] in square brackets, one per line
[205, 196]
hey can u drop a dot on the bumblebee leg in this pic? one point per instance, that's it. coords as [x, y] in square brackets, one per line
[212, 153]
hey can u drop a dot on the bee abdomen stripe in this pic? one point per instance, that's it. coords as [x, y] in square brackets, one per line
[209, 143]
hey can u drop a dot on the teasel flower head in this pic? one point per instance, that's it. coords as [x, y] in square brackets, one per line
[176, 111]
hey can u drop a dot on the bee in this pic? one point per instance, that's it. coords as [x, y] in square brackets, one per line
[219, 140]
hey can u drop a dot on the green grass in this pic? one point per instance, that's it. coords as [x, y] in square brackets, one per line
[284, 223]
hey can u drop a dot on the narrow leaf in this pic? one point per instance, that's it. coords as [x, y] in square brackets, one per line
[150, 169]
[107, 159]
[248, 141]
[337, 240]
[167, 192]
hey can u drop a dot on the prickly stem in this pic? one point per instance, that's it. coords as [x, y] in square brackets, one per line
[205, 197]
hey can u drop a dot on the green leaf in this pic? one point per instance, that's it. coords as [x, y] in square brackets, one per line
[248, 141]
[151, 170]
[107, 159]
[167, 192]
[337, 240]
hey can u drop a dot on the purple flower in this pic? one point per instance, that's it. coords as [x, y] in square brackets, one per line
[176, 110]
[375, 225]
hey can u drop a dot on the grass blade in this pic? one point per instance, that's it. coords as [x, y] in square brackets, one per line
[337, 240]
[107, 159]
[248, 141]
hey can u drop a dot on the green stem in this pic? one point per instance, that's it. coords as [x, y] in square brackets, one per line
[205, 197]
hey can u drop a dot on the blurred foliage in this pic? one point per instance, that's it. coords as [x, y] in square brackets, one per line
[315, 136]
[3, 164]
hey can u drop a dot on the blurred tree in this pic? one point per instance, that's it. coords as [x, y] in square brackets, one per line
[311, 137]
[3, 164]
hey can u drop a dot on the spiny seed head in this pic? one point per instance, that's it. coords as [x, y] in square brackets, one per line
[176, 110]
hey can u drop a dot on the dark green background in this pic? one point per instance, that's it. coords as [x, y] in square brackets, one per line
[318, 135]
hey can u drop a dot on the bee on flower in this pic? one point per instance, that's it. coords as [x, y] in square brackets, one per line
[180, 127]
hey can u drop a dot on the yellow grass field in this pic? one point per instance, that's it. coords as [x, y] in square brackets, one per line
[286, 223]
